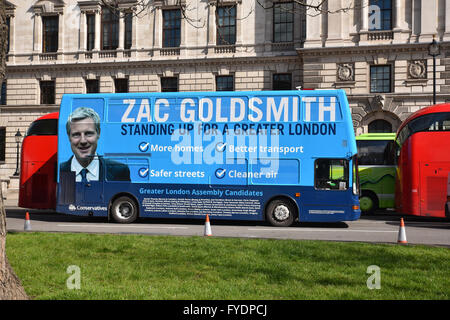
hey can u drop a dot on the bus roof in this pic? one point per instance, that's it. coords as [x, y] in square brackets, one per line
[376, 136]
[443, 107]
[53, 115]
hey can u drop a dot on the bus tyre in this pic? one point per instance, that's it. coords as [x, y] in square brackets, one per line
[280, 213]
[124, 210]
[368, 203]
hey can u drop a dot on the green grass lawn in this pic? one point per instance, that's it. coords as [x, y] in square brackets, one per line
[166, 267]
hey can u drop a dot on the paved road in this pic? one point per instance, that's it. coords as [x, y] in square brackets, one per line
[382, 227]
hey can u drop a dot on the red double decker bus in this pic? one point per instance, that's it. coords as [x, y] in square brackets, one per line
[37, 188]
[423, 162]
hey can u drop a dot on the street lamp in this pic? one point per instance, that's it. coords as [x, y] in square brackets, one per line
[434, 50]
[17, 137]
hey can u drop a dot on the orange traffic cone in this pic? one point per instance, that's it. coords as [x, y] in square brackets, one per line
[27, 226]
[207, 227]
[402, 233]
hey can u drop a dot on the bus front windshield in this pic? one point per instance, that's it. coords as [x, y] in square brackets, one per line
[332, 174]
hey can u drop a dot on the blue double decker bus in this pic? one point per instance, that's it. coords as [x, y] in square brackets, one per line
[279, 156]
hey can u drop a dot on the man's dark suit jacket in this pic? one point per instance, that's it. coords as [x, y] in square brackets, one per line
[116, 171]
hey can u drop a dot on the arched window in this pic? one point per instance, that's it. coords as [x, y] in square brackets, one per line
[380, 126]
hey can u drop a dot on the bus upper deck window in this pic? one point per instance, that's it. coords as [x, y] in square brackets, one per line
[331, 174]
[44, 127]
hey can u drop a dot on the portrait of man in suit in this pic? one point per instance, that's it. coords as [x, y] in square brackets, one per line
[83, 130]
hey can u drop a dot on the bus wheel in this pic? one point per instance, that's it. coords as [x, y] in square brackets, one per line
[368, 203]
[124, 210]
[280, 213]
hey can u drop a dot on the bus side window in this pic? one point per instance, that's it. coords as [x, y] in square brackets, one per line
[115, 169]
[331, 174]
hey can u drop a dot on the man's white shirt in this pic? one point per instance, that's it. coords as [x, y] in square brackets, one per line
[93, 169]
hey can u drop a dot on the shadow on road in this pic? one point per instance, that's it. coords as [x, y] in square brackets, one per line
[389, 217]
[51, 216]
[392, 218]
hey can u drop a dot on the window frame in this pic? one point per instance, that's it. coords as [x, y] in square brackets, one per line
[171, 28]
[169, 87]
[386, 14]
[423, 123]
[2, 144]
[50, 33]
[47, 91]
[93, 86]
[346, 176]
[110, 36]
[379, 152]
[375, 124]
[227, 79]
[4, 90]
[284, 22]
[121, 85]
[373, 87]
[8, 39]
[226, 32]
[90, 32]
[128, 31]
[278, 85]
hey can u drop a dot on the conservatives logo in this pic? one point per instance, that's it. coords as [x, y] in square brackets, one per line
[81, 208]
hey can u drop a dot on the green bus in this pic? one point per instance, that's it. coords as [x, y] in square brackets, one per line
[377, 170]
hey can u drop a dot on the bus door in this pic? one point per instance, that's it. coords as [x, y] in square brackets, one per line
[331, 180]
[433, 188]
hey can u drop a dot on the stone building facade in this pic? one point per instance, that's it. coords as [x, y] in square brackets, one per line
[377, 50]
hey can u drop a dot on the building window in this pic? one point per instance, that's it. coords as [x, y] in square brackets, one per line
[8, 24]
[380, 79]
[92, 86]
[171, 28]
[121, 85]
[110, 30]
[2, 143]
[224, 83]
[50, 25]
[380, 126]
[90, 31]
[282, 81]
[380, 15]
[226, 25]
[169, 84]
[283, 22]
[128, 30]
[47, 92]
[3, 96]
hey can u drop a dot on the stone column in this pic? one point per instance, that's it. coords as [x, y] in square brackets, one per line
[12, 41]
[314, 31]
[37, 36]
[447, 21]
[98, 21]
[400, 27]
[60, 36]
[83, 31]
[157, 30]
[364, 15]
[239, 8]
[120, 45]
[428, 17]
[211, 27]
[334, 23]
[37, 33]
[134, 37]
[397, 14]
